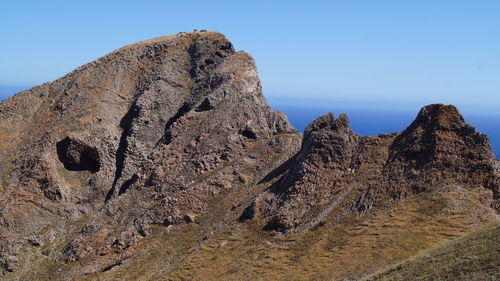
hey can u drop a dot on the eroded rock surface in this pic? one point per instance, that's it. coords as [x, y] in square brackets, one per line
[169, 132]
[439, 151]
[145, 135]
[319, 173]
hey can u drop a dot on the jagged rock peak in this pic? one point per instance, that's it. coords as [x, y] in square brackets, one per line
[316, 176]
[440, 114]
[438, 150]
[438, 133]
[328, 122]
[328, 141]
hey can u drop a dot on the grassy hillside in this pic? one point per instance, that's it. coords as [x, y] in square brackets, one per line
[473, 257]
[343, 249]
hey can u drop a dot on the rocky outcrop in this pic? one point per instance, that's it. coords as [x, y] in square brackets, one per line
[437, 150]
[145, 135]
[318, 175]
[202, 152]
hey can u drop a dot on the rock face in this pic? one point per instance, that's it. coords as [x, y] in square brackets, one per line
[145, 135]
[438, 150]
[318, 176]
[156, 135]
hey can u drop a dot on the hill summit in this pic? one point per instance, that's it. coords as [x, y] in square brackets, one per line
[163, 159]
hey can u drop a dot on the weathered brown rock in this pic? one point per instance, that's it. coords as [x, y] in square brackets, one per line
[317, 177]
[145, 135]
[437, 151]
[156, 134]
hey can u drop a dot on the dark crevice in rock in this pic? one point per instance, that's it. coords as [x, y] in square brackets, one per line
[274, 225]
[78, 156]
[249, 134]
[279, 170]
[192, 51]
[185, 108]
[227, 47]
[126, 125]
[206, 105]
[167, 138]
[127, 184]
[110, 194]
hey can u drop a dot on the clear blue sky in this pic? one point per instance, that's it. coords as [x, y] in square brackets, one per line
[399, 52]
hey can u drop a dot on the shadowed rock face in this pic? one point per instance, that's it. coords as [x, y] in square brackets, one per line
[154, 134]
[78, 156]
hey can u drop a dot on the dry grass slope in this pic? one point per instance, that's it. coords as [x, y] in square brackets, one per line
[352, 247]
[473, 257]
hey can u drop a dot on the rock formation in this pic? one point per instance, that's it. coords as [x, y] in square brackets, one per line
[317, 177]
[154, 134]
[145, 135]
[437, 151]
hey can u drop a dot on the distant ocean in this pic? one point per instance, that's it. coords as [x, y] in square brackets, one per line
[371, 121]
[7, 91]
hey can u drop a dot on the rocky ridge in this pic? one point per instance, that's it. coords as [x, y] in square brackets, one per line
[438, 151]
[153, 134]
